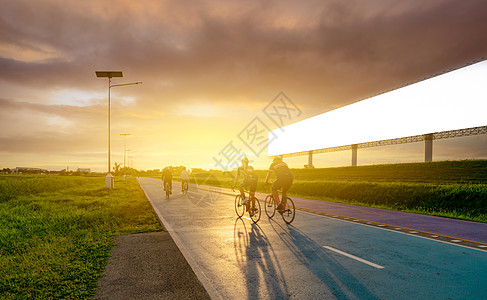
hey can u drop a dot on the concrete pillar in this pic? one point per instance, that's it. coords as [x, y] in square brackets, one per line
[354, 155]
[428, 147]
[310, 160]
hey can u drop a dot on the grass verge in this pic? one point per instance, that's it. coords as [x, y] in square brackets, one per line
[56, 232]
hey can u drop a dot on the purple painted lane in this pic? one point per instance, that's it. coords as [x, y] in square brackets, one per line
[460, 229]
[449, 227]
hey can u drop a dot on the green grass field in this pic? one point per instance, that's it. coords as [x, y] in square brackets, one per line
[454, 189]
[56, 232]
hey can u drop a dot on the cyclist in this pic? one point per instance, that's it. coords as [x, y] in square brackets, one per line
[249, 180]
[284, 180]
[167, 178]
[184, 178]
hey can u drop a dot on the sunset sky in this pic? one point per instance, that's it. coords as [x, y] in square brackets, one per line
[211, 71]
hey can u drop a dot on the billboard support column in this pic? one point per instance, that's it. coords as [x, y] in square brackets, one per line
[428, 147]
[354, 155]
[310, 160]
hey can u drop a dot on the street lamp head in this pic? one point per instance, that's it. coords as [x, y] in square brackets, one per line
[109, 74]
[124, 84]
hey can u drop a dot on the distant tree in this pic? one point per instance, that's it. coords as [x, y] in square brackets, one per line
[197, 170]
[177, 170]
[117, 168]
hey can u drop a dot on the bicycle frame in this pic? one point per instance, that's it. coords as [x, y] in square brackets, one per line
[252, 206]
[288, 211]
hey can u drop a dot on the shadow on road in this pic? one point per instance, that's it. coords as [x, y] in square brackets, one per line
[340, 282]
[258, 261]
[264, 265]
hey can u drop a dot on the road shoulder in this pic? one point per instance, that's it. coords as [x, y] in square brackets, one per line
[148, 266]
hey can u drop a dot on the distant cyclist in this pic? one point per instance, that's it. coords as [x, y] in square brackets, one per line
[167, 178]
[284, 181]
[184, 178]
[249, 180]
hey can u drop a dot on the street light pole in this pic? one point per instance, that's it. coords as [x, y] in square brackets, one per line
[110, 74]
[128, 157]
[124, 146]
[124, 154]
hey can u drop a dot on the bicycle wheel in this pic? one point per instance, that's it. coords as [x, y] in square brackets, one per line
[168, 191]
[256, 216]
[239, 207]
[185, 188]
[270, 206]
[289, 211]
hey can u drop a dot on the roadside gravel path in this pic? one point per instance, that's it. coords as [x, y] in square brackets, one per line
[148, 266]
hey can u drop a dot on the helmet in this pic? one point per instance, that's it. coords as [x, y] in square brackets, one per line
[245, 160]
[277, 158]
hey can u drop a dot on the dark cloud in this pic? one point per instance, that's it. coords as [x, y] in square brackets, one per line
[331, 50]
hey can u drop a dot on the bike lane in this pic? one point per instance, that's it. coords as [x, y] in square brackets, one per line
[239, 259]
[466, 233]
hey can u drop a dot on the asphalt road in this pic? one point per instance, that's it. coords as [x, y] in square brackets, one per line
[321, 255]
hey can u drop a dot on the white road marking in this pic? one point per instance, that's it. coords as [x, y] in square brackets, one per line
[354, 257]
[476, 247]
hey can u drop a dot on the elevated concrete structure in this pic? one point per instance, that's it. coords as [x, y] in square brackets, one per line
[449, 105]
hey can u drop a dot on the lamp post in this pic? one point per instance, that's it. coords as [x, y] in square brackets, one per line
[109, 75]
[128, 157]
[124, 146]
[124, 152]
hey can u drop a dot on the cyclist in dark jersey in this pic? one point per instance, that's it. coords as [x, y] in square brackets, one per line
[284, 181]
[167, 178]
[249, 180]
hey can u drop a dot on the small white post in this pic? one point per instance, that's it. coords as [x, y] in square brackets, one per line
[109, 181]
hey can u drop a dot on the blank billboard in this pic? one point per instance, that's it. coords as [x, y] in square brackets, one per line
[451, 101]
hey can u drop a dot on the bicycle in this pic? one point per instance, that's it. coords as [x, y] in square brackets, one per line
[240, 207]
[287, 214]
[168, 189]
[184, 187]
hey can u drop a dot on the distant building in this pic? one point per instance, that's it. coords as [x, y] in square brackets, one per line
[84, 170]
[28, 170]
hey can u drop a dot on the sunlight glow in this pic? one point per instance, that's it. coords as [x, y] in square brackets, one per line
[78, 98]
[199, 109]
[450, 101]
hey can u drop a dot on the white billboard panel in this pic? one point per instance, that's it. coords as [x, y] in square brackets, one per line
[451, 101]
